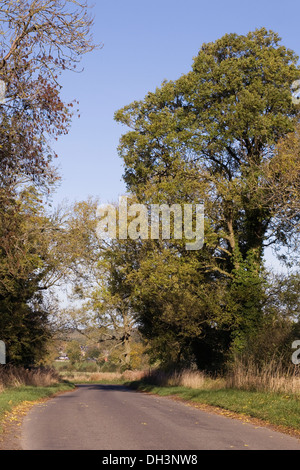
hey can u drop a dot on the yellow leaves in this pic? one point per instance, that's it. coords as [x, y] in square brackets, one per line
[16, 415]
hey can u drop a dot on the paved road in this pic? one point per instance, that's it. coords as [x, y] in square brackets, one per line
[106, 417]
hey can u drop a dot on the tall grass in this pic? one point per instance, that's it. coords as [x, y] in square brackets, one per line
[185, 378]
[272, 376]
[18, 376]
[242, 375]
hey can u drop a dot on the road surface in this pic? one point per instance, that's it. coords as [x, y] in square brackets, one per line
[107, 417]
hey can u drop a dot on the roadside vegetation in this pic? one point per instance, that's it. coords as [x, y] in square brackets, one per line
[270, 394]
[225, 134]
[79, 374]
[20, 386]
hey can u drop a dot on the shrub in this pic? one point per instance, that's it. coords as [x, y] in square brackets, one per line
[18, 376]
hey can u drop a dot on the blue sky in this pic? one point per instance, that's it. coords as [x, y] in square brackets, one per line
[143, 44]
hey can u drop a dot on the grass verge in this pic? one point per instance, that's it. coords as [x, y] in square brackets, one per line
[14, 397]
[277, 409]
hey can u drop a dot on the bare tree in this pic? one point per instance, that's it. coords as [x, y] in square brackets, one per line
[39, 39]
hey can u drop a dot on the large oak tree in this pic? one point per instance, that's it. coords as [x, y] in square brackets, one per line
[212, 136]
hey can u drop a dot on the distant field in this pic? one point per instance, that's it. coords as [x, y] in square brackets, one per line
[79, 377]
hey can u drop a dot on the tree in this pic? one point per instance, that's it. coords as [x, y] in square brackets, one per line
[283, 185]
[38, 40]
[104, 310]
[29, 266]
[73, 351]
[210, 136]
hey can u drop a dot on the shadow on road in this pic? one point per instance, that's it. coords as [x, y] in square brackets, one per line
[105, 387]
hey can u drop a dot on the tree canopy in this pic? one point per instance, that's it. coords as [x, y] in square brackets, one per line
[39, 39]
[216, 135]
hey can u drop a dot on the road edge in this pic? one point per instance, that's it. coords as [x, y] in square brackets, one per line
[10, 437]
[228, 414]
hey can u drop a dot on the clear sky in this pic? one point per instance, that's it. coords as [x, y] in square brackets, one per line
[145, 42]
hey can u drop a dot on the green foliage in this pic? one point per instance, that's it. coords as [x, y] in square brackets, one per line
[74, 352]
[23, 266]
[274, 408]
[21, 395]
[37, 44]
[213, 136]
[31, 262]
[99, 270]
[246, 297]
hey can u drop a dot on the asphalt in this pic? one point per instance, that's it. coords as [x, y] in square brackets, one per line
[111, 417]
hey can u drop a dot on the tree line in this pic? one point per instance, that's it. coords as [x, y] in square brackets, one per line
[226, 135]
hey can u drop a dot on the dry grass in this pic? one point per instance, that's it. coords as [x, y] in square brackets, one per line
[243, 375]
[186, 378]
[271, 377]
[200, 380]
[18, 377]
[102, 376]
